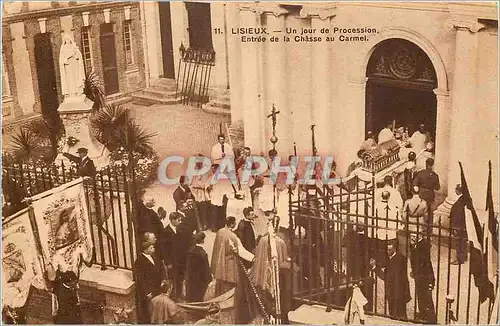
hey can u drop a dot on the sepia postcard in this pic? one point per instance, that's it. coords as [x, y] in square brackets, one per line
[258, 162]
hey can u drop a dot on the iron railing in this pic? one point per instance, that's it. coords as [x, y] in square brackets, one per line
[195, 76]
[108, 197]
[330, 259]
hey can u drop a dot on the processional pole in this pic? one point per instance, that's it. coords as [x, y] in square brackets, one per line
[272, 243]
[273, 115]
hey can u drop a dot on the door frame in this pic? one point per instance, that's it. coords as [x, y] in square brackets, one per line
[166, 40]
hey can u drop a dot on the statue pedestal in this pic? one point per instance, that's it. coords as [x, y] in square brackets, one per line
[75, 114]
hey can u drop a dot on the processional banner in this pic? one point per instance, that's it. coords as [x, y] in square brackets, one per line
[21, 262]
[64, 227]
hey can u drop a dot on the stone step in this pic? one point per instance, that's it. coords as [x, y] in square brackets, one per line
[165, 82]
[221, 97]
[155, 98]
[161, 88]
[165, 86]
[211, 107]
[157, 92]
[221, 104]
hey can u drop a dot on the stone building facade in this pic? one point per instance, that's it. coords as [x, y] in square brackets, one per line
[441, 68]
[109, 35]
[191, 23]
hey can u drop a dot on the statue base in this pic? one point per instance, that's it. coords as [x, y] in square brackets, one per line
[75, 115]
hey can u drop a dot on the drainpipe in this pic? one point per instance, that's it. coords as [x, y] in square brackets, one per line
[145, 43]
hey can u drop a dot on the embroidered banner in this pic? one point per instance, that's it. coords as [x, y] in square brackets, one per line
[21, 263]
[63, 224]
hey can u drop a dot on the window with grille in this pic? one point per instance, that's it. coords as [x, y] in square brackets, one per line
[127, 42]
[86, 49]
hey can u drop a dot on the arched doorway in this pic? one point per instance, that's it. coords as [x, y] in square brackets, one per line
[400, 84]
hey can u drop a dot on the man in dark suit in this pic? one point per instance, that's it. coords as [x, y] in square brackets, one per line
[172, 250]
[86, 167]
[198, 274]
[423, 273]
[148, 219]
[428, 182]
[182, 193]
[397, 286]
[246, 229]
[149, 275]
[359, 251]
[190, 221]
[458, 228]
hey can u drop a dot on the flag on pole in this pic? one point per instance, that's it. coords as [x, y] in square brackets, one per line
[494, 312]
[491, 237]
[491, 246]
[475, 233]
[490, 208]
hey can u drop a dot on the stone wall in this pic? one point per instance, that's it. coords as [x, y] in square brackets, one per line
[104, 296]
[22, 24]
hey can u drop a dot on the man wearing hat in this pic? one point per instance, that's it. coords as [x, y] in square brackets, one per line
[86, 167]
[150, 276]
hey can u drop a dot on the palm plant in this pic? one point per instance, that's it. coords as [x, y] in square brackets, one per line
[94, 91]
[108, 124]
[115, 127]
[136, 139]
[49, 128]
[26, 144]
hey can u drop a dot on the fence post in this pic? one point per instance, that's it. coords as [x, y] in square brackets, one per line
[133, 193]
[99, 221]
[130, 216]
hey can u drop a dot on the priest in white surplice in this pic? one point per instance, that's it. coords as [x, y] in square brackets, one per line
[385, 134]
[221, 150]
[419, 139]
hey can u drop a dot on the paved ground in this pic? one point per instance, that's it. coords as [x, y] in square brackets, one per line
[180, 129]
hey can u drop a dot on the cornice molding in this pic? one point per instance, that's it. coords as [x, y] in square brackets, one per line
[464, 23]
[321, 11]
[264, 8]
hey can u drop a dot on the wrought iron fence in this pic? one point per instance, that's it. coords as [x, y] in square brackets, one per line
[339, 240]
[196, 71]
[110, 196]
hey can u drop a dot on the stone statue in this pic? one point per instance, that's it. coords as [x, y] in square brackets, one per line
[72, 72]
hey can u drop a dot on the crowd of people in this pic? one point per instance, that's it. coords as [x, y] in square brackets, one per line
[173, 266]
[399, 229]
